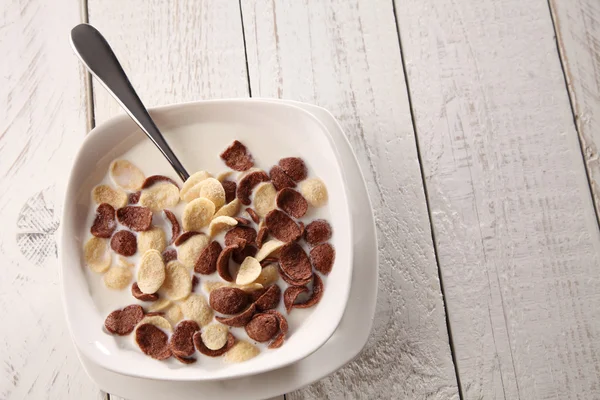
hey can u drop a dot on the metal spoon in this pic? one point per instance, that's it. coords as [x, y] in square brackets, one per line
[95, 53]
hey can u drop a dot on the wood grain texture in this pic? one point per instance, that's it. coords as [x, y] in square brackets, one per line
[172, 51]
[344, 56]
[577, 25]
[510, 205]
[42, 122]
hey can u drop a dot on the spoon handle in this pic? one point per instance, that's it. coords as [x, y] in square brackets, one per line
[95, 52]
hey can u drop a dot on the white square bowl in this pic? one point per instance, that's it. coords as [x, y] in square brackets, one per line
[216, 124]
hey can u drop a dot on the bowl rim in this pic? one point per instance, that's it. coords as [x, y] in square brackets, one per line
[64, 241]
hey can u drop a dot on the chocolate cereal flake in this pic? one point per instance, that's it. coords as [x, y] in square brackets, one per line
[280, 179]
[151, 180]
[282, 227]
[184, 237]
[230, 189]
[263, 233]
[262, 327]
[133, 198]
[269, 299]
[242, 220]
[182, 339]
[283, 329]
[228, 300]
[138, 294]
[175, 227]
[104, 224]
[240, 254]
[195, 282]
[322, 257]
[247, 184]
[239, 320]
[185, 360]
[135, 218]
[292, 202]
[295, 262]
[207, 261]
[318, 231]
[122, 322]
[236, 157]
[253, 215]
[290, 295]
[316, 294]
[213, 353]
[153, 341]
[169, 255]
[223, 262]
[294, 167]
[293, 282]
[240, 235]
[124, 243]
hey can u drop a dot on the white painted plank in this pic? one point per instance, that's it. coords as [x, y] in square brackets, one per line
[344, 56]
[513, 217]
[577, 25]
[42, 122]
[172, 51]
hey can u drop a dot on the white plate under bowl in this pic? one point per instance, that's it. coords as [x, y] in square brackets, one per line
[345, 344]
[282, 128]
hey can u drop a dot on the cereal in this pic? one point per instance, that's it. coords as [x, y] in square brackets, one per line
[135, 218]
[206, 263]
[268, 275]
[196, 308]
[268, 248]
[181, 239]
[160, 196]
[175, 227]
[104, 223]
[264, 199]
[283, 329]
[262, 236]
[295, 262]
[292, 202]
[240, 235]
[124, 243]
[178, 283]
[153, 239]
[214, 336]
[249, 271]
[138, 294]
[236, 157]
[241, 351]
[169, 255]
[294, 167]
[174, 314]
[219, 224]
[195, 282]
[230, 188]
[154, 179]
[243, 251]
[96, 254]
[282, 227]
[242, 220]
[160, 305]
[269, 299]
[185, 360]
[317, 293]
[223, 262]
[106, 194]
[318, 231]
[122, 322]
[322, 257]
[211, 189]
[191, 182]
[270, 260]
[190, 250]
[126, 175]
[151, 273]
[293, 282]
[290, 295]
[314, 191]
[213, 353]
[229, 210]
[247, 184]
[197, 214]
[228, 300]
[253, 215]
[302, 227]
[158, 321]
[117, 278]
[280, 179]
[133, 198]
[152, 341]
[182, 343]
[239, 320]
[262, 327]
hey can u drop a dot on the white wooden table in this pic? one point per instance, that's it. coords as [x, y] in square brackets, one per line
[476, 124]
